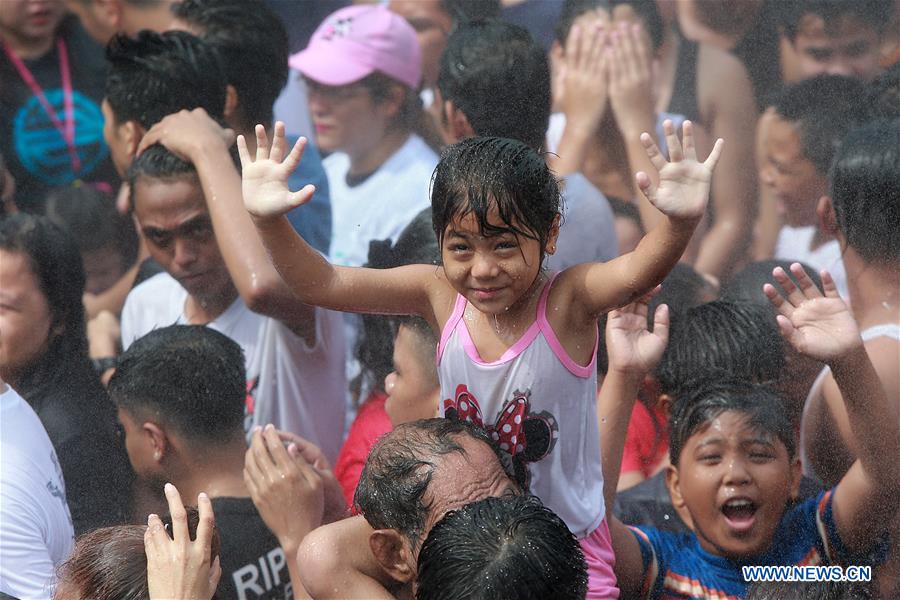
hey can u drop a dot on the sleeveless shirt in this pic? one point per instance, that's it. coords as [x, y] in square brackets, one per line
[538, 404]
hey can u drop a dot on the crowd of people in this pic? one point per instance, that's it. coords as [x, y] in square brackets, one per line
[448, 299]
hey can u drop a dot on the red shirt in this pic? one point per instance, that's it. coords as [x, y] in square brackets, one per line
[646, 442]
[370, 424]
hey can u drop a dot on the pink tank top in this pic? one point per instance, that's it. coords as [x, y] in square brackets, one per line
[538, 404]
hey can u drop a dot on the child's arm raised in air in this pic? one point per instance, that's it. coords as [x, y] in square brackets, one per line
[822, 327]
[405, 290]
[633, 353]
[682, 195]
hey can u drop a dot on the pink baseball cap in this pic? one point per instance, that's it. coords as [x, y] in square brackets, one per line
[356, 41]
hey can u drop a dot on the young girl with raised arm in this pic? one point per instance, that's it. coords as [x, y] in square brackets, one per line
[518, 345]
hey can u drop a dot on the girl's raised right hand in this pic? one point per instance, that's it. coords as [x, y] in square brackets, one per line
[265, 179]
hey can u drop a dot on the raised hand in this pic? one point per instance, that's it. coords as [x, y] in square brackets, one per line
[186, 133]
[819, 326]
[302, 449]
[287, 492]
[265, 179]
[178, 568]
[582, 85]
[632, 348]
[630, 79]
[683, 190]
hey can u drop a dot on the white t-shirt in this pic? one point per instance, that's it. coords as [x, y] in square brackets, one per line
[295, 387]
[36, 532]
[588, 229]
[794, 244]
[381, 206]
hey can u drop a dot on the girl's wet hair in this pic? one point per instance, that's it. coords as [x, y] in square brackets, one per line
[481, 174]
[706, 398]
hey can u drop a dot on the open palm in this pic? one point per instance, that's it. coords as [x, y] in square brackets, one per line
[264, 181]
[819, 326]
[683, 189]
[630, 345]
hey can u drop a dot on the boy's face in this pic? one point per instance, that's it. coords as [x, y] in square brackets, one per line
[176, 225]
[791, 176]
[411, 386]
[845, 47]
[731, 485]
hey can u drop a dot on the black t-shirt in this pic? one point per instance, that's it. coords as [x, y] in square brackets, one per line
[35, 152]
[81, 423]
[253, 563]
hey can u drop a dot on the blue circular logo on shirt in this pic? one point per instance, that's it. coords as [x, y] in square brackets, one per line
[41, 147]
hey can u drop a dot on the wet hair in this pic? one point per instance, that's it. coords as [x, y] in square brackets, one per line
[110, 563]
[747, 285]
[874, 13]
[499, 77]
[375, 347]
[91, 217]
[189, 376]
[251, 42]
[883, 101]
[480, 174]
[510, 547]
[399, 468]
[807, 590]
[470, 10]
[823, 109]
[157, 163]
[741, 340]
[56, 263]
[706, 398]
[646, 10]
[865, 191]
[157, 74]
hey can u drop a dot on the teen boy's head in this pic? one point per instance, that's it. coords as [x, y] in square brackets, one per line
[253, 46]
[495, 81]
[733, 464]
[435, 20]
[864, 208]
[180, 390]
[810, 120]
[837, 37]
[170, 210]
[151, 76]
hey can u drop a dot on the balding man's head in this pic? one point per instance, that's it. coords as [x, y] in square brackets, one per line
[417, 473]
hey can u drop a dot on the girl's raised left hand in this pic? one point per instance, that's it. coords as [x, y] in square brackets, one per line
[683, 190]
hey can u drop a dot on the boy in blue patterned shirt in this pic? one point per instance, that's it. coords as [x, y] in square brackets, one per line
[734, 465]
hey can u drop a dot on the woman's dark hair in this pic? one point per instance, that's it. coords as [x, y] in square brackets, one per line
[705, 399]
[56, 263]
[646, 10]
[110, 563]
[482, 174]
[501, 547]
[412, 115]
[375, 347]
[865, 191]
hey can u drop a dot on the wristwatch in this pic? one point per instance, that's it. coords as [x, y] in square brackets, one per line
[101, 365]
